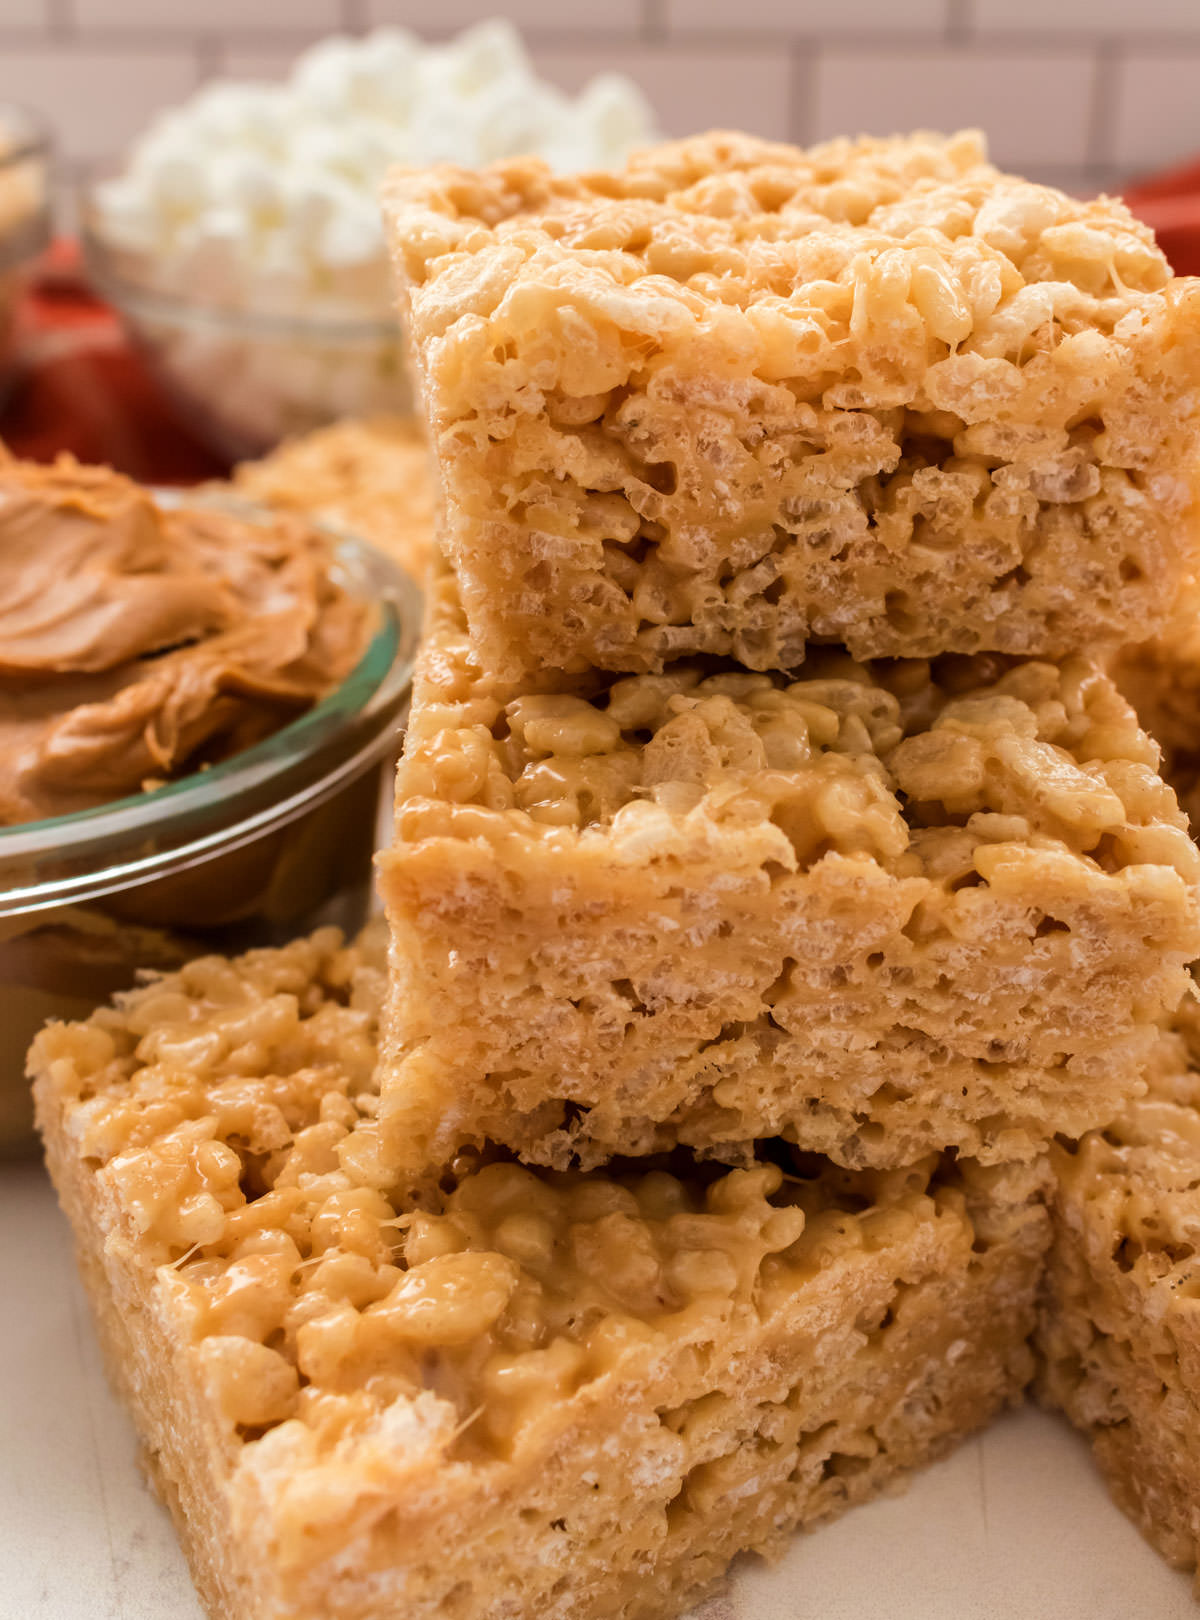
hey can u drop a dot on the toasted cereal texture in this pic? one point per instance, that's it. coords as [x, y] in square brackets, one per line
[1161, 678]
[1119, 1334]
[572, 1396]
[368, 475]
[879, 911]
[737, 398]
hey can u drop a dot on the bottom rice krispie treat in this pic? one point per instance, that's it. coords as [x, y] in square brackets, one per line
[543, 1394]
[1120, 1322]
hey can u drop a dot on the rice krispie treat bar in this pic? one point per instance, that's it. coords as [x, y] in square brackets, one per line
[879, 910]
[568, 1396]
[1120, 1327]
[737, 398]
[369, 475]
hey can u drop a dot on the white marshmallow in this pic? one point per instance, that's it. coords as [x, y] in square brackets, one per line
[350, 238]
[211, 256]
[176, 182]
[489, 53]
[612, 121]
[246, 183]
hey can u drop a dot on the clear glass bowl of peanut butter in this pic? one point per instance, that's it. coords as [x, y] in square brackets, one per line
[255, 838]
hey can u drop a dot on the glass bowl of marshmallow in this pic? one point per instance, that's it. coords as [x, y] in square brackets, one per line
[241, 242]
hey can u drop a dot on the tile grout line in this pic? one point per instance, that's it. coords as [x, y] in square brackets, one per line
[60, 19]
[948, 36]
[163, 39]
[650, 28]
[959, 22]
[802, 93]
[210, 57]
[654, 26]
[1101, 114]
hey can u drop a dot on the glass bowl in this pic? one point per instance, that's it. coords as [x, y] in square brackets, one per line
[268, 844]
[243, 378]
[25, 175]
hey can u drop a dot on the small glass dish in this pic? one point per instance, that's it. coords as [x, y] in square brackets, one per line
[271, 843]
[25, 208]
[245, 378]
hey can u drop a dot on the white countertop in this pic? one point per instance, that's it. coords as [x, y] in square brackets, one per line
[1016, 1525]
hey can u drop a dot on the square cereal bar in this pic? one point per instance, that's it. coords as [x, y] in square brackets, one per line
[1120, 1328]
[878, 910]
[737, 398]
[565, 1396]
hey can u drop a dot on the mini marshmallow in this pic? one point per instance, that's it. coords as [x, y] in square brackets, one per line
[611, 116]
[349, 239]
[490, 53]
[210, 251]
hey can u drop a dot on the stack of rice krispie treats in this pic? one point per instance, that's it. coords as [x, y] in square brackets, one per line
[783, 898]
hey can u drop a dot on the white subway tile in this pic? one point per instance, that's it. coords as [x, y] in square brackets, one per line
[96, 99]
[269, 62]
[1034, 106]
[24, 13]
[1157, 112]
[1088, 182]
[1086, 18]
[208, 16]
[614, 16]
[807, 20]
[689, 89]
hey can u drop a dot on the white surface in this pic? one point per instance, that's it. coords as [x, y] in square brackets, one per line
[1015, 1526]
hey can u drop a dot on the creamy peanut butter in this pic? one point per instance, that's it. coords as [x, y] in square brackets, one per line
[139, 643]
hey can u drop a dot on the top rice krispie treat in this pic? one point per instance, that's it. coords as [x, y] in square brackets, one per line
[739, 397]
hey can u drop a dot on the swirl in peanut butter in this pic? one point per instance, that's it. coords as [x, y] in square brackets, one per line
[138, 644]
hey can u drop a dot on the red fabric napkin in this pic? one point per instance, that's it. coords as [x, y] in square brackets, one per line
[83, 388]
[1170, 204]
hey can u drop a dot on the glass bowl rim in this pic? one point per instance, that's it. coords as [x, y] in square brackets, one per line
[369, 696]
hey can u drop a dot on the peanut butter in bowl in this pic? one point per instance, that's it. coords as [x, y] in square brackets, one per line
[196, 698]
[137, 643]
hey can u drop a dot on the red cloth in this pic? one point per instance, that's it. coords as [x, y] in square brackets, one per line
[83, 388]
[1170, 204]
